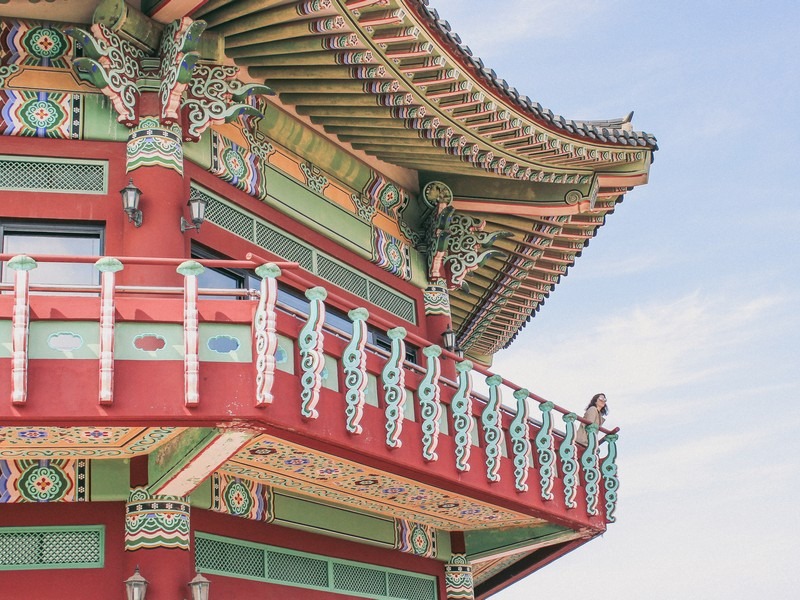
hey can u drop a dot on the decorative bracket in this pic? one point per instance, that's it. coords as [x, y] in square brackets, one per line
[456, 243]
[111, 64]
[192, 94]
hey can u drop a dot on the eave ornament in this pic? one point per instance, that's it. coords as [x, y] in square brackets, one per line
[193, 94]
[111, 64]
[456, 243]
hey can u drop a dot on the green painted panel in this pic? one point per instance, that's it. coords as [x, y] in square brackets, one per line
[201, 496]
[330, 374]
[371, 393]
[100, 120]
[297, 512]
[64, 339]
[294, 135]
[225, 342]
[284, 356]
[301, 203]
[175, 454]
[419, 268]
[148, 341]
[5, 339]
[408, 408]
[199, 152]
[110, 479]
[494, 540]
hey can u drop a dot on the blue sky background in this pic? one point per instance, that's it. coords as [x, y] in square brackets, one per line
[684, 308]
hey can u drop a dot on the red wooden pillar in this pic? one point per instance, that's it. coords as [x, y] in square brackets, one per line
[155, 164]
[157, 535]
[437, 315]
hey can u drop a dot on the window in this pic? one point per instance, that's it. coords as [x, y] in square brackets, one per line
[41, 237]
[242, 279]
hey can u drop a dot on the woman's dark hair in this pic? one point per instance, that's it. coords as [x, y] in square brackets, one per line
[593, 402]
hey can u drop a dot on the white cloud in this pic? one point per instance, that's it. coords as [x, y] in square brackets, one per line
[643, 354]
[511, 21]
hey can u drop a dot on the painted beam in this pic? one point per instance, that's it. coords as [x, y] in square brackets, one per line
[183, 465]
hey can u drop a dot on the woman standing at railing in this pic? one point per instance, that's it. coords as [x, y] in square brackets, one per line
[595, 413]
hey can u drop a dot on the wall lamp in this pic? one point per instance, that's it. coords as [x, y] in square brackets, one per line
[136, 586]
[130, 203]
[199, 587]
[449, 339]
[197, 206]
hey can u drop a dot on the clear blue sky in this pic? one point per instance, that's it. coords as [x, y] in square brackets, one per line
[684, 309]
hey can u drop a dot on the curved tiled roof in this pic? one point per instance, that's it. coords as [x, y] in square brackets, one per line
[615, 131]
[390, 79]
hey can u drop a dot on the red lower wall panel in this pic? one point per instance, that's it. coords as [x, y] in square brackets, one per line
[69, 584]
[302, 541]
[107, 583]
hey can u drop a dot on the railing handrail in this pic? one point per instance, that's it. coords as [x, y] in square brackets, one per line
[463, 401]
[422, 342]
[291, 271]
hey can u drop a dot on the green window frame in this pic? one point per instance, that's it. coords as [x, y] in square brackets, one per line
[53, 547]
[230, 557]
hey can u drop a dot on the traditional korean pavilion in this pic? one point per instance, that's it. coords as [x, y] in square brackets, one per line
[253, 376]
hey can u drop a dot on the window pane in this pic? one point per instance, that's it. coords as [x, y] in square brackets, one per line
[59, 273]
[215, 279]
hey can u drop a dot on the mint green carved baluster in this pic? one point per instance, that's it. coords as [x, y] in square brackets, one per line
[265, 333]
[462, 415]
[394, 379]
[492, 432]
[354, 363]
[312, 360]
[20, 326]
[108, 267]
[430, 406]
[590, 472]
[544, 448]
[191, 269]
[520, 444]
[569, 466]
[609, 470]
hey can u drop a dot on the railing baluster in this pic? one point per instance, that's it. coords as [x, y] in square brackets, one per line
[609, 470]
[394, 378]
[20, 323]
[266, 341]
[492, 431]
[312, 359]
[569, 466]
[430, 405]
[108, 268]
[190, 269]
[354, 363]
[520, 443]
[462, 415]
[590, 473]
[544, 448]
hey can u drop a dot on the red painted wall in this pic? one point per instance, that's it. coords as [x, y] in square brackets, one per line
[107, 583]
[69, 584]
[273, 535]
